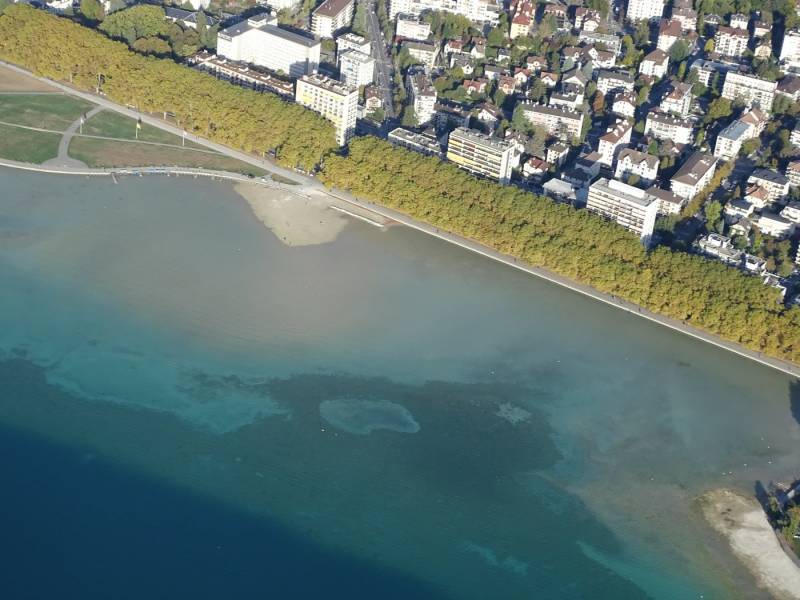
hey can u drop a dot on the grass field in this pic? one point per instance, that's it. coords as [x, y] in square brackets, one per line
[28, 146]
[48, 111]
[110, 124]
[107, 153]
[11, 81]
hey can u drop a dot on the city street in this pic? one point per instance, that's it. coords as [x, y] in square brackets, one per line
[383, 63]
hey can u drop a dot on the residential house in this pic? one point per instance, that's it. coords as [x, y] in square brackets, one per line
[678, 100]
[613, 139]
[776, 184]
[731, 41]
[693, 175]
[632, 162]
[612, 81]
[666, 127]
[668, 203]
[655, 64]
[624, 104]
[669, 32]
[562, 123]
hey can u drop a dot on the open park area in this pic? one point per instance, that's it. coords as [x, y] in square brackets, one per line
[41, 125]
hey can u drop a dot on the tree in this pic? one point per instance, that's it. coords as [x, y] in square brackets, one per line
[713, 212]
[141, 21]
[92, 10]
[409, 118]
[641, 36]
[718, 109]
[497, 37]
[600, 6]
[536, 142]
[709, 47]
[201, 23]
[519, 122]
[152, 45]
[679, 51]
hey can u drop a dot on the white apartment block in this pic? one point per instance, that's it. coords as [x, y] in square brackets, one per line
[424, 143]
[611, 81]
[480, 154]
[261, 42]
[423, 52]
[678, 100]
[644, 10]
[624, 104]
[331, 16]
[411, 27]
[750, 89]
[731, 41]
[632, 162]
[479, 11]
[790, 51]
[564, 124]
[352, 41]
[617, 136]
[655, 64]
[730, 140]
[666, 127]
[775, 184]
[356, 68]
[634, 209]
[693, 175]
[422, 94]
[334, 100]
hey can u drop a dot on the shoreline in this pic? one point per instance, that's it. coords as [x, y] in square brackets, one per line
[309, 184]
[751, 538]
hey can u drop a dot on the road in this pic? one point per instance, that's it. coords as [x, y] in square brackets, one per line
[383, 63]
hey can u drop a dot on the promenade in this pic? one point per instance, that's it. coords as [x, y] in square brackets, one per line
[307, 184]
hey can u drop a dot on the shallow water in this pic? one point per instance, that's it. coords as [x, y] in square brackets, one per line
[381, 415]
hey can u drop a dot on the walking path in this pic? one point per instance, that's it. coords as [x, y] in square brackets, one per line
[63, 159]
[312, 184]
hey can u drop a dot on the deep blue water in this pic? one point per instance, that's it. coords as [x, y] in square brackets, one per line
[191, 409]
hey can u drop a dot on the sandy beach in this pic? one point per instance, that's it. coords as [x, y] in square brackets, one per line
[296, 220]
[743, 523]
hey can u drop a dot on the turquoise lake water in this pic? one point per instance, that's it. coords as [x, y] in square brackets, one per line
[192, 409]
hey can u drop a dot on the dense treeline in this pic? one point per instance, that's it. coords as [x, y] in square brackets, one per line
[60, 49]
[573, 243]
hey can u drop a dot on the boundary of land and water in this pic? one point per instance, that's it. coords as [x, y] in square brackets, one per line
[308, 183]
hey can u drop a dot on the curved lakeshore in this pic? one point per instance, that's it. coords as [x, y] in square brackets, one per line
[311, 186]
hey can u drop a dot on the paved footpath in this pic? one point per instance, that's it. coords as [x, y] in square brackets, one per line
[310, 184]
[64, 159]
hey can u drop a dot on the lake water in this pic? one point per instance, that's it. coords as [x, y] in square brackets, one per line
[191, 409]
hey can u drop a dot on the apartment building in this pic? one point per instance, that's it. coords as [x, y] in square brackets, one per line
[612, 81]
[634, 209]
[730, 140]
[423, 95]
[334, 100]
[424, 143]
[559, 122]
[480, 154]
[693, 175]
[668, 203]
[707, 69]
[615, 137]
[356, 68]
[731, 41]
[644, 10]
[655, 64]
[775, 184]
[624, 104]
[411, 27]
[632, 162]
[750, 89]
[666, 127]
[260, 41]
[423, 51]
[479, 11]
[669, 32]
[790, 50]
[331, 16]
[353, 41]
[678, 100]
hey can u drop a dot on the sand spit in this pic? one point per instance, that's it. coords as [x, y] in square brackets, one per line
[297, 220]
[743, 523]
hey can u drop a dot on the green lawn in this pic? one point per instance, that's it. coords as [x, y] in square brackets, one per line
[48, 111]
[108, 123]
[107, 153]
[26, 145]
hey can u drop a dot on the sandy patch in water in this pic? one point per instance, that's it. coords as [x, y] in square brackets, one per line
[296, 220]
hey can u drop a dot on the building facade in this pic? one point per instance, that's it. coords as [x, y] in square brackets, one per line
[751, 90]
[634, 209]
[479, 11]
[694, 175]
[331, 16]
[261, 42]
[356, 68]
[644, 10]
[480, 154]
[334, 100]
